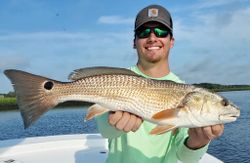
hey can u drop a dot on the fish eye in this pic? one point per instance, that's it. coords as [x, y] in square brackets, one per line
[225, 102]
[48, 85]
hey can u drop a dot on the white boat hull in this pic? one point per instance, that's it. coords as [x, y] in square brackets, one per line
[63, 148]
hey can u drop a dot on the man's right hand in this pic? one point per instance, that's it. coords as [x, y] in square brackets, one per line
[124, 121]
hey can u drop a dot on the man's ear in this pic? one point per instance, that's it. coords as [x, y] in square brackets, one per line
[172, 42]
[134, 45]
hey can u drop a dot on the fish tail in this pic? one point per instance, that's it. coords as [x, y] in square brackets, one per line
[34, 94]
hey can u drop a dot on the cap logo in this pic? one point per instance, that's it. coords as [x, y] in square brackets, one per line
[153, 12]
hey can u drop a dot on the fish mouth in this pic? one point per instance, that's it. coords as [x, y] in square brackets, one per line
[229, 117]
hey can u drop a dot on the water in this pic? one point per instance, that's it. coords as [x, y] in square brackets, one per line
[54, 122]
[232, 147]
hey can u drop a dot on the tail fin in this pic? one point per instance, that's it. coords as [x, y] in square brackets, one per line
[34, 94]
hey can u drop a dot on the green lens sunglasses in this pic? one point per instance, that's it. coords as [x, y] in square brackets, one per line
[159, 32]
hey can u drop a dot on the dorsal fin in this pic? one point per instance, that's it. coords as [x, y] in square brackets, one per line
[93, 71]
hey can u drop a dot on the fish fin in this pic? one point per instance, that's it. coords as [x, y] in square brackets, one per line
[162, 129]
[93, 71]
[95, 110]
[33, 93]
[165, 114]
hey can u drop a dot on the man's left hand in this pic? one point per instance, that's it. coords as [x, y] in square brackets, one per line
[199, 137]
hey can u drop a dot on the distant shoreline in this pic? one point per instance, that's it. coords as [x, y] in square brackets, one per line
[229, 90]
[223, 88]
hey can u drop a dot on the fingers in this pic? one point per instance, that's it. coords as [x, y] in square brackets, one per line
[130, 123]
[121, 124]
[198, 137]
[114, 117]
[124, 121]
[212, 132]
[197, 132]
[218, 130]
[208, 133]
[137, 124]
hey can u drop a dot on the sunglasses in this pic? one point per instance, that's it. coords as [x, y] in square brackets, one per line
[158, 31]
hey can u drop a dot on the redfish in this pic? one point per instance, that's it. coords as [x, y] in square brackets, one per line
[168, 104]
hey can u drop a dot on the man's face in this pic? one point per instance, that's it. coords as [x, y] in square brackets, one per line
[153, 49]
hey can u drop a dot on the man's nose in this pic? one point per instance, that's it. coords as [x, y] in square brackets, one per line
[152, 37]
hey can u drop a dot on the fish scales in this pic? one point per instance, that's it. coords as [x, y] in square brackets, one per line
[128, 92]
[116, 87]
[154, 95]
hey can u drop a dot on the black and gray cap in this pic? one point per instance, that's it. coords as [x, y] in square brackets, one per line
[155, 13]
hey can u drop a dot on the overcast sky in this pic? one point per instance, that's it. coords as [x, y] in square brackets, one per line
[52, 38]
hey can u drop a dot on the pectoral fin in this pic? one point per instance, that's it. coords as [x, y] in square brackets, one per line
[162, 129]
[95, 110]
[165, 114]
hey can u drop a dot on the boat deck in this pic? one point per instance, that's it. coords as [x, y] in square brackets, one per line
[63, 148]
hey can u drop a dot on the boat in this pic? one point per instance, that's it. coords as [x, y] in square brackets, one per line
[76, 148]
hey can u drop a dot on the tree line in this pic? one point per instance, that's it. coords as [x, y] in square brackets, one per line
[222, 88]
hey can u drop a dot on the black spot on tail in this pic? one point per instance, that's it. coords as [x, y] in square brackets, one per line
[48, 85]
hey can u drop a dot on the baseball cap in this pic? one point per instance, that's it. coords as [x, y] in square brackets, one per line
[155, 13]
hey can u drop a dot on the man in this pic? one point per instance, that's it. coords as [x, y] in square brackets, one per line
[129, 138]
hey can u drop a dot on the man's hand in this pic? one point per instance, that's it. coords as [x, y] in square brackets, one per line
[124, 121]
[199, 137]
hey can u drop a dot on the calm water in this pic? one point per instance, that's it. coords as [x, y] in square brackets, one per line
[232, 147]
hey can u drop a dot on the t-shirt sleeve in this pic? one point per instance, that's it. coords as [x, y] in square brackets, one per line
[185, 154]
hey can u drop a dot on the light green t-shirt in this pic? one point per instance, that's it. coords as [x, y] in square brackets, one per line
[141, 147]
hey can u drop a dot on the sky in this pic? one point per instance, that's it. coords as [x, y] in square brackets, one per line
[54, 37]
